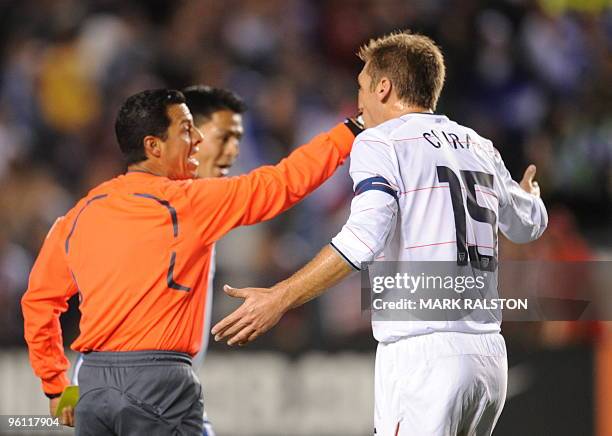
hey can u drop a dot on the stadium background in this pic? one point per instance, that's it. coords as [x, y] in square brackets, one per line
[533, 76]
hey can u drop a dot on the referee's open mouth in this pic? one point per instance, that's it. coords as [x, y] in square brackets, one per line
[192, 160]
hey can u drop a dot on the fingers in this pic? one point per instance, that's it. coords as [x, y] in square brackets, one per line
[231, 319]
[68, 416]
[529, 173]
[235, 292]
[251, 319]
[236, 329]
[528, 184]
[242, 337]
[253, 336]
[226, 322]
[231, 330]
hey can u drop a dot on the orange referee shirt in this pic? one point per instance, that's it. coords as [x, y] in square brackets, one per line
[137, 250]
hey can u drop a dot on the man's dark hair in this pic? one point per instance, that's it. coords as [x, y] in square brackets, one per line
[143, 114]
[203, 101]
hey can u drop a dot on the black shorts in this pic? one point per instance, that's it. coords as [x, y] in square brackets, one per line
[138, 393]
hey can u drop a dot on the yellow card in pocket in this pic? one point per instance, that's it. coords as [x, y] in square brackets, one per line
[69, 397]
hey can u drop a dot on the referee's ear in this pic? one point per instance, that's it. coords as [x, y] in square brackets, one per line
[152, 146]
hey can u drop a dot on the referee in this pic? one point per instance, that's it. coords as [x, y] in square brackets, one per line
[133, 249]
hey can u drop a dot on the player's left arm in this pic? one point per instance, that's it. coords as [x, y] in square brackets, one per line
[373, 212]
[522, 214]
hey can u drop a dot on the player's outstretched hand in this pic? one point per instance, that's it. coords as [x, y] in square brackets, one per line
[528, 184]
[259, 312]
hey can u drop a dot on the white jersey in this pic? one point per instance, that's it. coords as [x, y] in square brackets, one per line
[430, 189]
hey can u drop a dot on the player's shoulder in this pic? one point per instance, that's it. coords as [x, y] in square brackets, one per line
[480, 144]
[420, 120]
[389, 127]
[372, 134]
[372, 140]
[378, 136]
[413, 125]
[485, 146]
[475, 136]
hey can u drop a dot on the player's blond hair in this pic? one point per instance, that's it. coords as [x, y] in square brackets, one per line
[413, 63]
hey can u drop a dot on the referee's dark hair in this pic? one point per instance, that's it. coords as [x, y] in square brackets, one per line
[204, 100]
[143, 114]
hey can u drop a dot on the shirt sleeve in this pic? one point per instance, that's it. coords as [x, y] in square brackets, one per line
[522, 216]
[374, 207]
[222, 204]
[50, 287]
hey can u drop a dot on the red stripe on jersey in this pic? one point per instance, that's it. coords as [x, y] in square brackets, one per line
[447, 242]
[360, 239]
[492, 194]
[429, 245]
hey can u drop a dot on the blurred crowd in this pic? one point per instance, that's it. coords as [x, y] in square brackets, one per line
[533, 76]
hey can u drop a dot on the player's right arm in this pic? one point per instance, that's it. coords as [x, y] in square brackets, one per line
[222, 204]
[374, 207]
[50, 287]
[373, 213]
[522, 214]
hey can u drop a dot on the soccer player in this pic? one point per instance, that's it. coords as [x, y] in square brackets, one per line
[137, 250]
[217, 113]
[426, 189]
